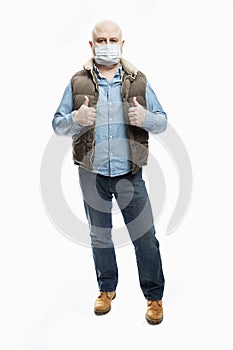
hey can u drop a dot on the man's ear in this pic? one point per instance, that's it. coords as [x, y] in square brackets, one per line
[91, 44]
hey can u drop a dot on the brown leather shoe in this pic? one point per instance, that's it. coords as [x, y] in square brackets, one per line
[103, 302]
[154, 314]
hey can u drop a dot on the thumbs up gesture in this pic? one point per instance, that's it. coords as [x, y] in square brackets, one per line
[85, 115]
[136, 113]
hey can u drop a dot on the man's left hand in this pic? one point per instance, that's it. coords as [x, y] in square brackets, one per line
[136, 114]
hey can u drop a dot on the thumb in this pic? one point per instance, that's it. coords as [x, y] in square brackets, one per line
[86, 101]
[135, 102]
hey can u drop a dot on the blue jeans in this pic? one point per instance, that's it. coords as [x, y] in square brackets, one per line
[132, 198]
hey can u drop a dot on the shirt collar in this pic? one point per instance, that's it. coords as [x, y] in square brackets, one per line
[118, 72]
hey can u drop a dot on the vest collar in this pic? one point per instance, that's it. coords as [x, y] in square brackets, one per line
[89, 65]
[127, 66]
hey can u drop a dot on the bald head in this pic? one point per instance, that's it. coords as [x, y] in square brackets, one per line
[108, 35]
[105, 29]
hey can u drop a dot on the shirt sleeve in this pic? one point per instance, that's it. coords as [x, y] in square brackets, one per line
[156, 118]
[63, 121]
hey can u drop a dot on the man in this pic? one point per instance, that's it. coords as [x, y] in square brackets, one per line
[109, 108]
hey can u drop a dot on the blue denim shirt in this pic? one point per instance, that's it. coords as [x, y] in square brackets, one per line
[112, 151]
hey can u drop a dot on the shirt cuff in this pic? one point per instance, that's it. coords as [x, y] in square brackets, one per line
[155, 122]
[74, 122]
[149, 123]
[73, 119]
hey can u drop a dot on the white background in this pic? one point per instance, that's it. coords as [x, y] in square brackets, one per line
[48, 284]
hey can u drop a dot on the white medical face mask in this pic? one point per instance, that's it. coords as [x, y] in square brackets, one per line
[107, 55]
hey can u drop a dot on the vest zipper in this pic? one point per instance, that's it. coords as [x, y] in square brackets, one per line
[93, 143]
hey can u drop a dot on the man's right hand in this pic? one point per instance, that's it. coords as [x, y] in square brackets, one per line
[85, 115]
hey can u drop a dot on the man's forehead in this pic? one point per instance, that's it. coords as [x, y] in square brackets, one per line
[107, 33]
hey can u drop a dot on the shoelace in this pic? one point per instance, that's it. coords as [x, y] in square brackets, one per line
[155, 304]
[104, 294]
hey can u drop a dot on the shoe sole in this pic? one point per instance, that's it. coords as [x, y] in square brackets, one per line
[100, 313]
[154, 322]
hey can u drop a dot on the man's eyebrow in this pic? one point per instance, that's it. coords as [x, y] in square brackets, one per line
[104, 38]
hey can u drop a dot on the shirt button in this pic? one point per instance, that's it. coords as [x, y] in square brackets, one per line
[110, 136]
[110, 119]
